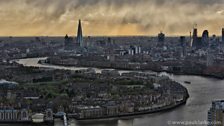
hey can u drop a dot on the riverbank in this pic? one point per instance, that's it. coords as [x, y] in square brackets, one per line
[43, 62]
[194, 74]
[136, 114]
[133, 115]
[22, 123]
[165, 107]
[197, 103]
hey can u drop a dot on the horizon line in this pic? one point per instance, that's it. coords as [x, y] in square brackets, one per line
[29, 36]
[20, 36]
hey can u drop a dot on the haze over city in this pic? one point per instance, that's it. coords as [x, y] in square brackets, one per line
[109, 17]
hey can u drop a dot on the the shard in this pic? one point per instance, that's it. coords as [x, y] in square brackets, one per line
[79, 34]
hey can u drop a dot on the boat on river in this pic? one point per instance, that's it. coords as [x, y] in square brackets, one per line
[187, 82]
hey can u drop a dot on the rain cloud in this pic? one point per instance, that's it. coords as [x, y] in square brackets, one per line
[109, 17]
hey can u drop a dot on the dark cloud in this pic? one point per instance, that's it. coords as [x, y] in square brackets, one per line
[146, 15]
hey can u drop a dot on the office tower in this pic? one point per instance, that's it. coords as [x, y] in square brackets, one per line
[216, 114]
[68, 43]
[109, 42]
[161, 37]
[182, 41]
[205, 38]
[223, 35]
[190, 42]
[199, 43]
[214, 39]
[66, 39]
[131, 50]
[210, 57]
[134, 50]
[79, 35]
[139, 49]
[195, 37]
[183, 45]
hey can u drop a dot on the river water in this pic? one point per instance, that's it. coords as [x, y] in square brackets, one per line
[202, 91]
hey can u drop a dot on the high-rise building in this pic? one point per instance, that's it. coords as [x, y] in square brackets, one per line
[161, 37]
[205, 38]
[183, 45]
[66, 39]
[214, 39]
[222, 34]
[199, 43]
[210, 59]
[182, 41]
[134, 50]
[195, 37]
[190, 42]
[216, 114]
[79, 35]
[68, 43]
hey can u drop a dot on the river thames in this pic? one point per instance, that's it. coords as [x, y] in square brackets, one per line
[202, 91]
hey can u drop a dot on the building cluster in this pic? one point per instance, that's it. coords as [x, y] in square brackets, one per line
[11, 115]
[173, 54]
[83, 93]
[13, 107]
[71, 44]
[133, 50]
[14, 115]
[204, 40]
[124, 97]
[216, 113]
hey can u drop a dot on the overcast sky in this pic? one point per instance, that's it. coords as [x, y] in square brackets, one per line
[109, 17]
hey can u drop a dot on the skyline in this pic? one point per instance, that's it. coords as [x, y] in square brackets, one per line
[110, 18]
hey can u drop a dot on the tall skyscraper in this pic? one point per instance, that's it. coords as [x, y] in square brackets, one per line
[223, 35]
[161, 39]
[195, 37]
[79, 35]
[205, 38]
[183, 45]
[66, 42]
[182, 41]
[189, 44]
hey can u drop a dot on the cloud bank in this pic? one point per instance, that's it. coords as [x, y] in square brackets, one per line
[110, 17]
